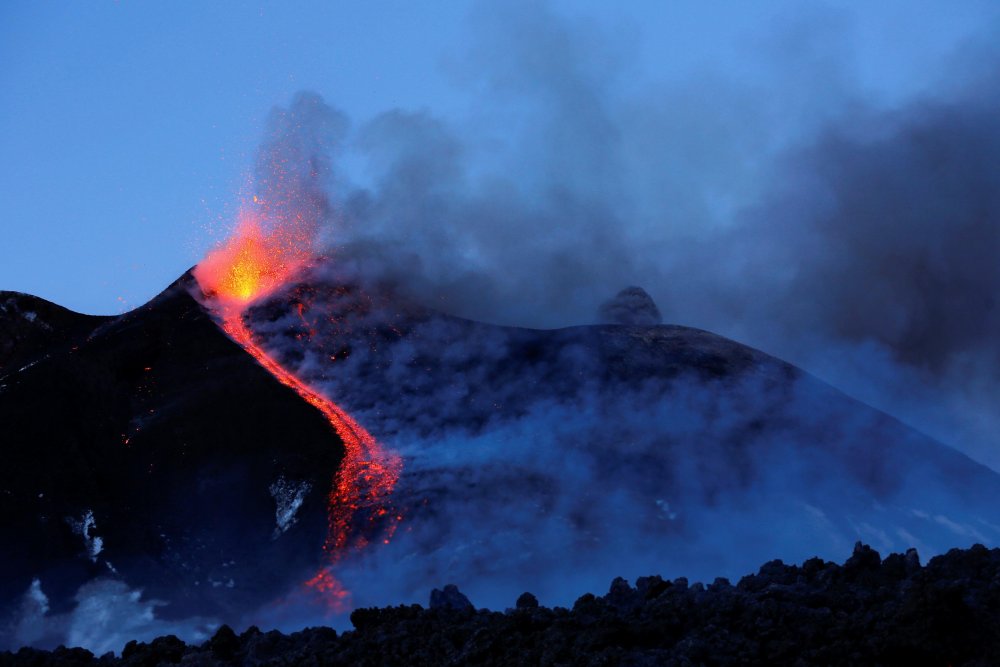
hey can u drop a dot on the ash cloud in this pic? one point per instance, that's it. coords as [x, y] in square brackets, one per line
[892, 229]
[886, 230]
[790, 213]
[573, 178]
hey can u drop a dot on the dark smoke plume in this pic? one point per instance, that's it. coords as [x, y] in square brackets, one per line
[882, 243]
[857, 241]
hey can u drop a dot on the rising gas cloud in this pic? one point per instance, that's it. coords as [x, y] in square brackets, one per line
[856, 239]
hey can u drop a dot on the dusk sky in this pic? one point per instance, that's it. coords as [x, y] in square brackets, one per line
[127, 129]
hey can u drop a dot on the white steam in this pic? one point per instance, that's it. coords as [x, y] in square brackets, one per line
[108, 614]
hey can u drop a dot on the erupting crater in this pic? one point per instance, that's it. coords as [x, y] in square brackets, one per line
[262, 255]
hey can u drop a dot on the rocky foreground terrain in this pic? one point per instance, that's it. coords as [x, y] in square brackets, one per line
[869, 611]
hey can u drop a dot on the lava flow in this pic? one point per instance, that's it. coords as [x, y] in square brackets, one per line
[251, 264]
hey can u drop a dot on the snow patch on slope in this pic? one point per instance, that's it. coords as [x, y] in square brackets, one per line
[288, 497]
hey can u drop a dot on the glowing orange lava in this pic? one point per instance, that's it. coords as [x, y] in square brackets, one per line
[252, 264]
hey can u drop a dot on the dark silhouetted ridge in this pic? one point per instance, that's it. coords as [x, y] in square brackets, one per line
[169, 436]
[869, 611]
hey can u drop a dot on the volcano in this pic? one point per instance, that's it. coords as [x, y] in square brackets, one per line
[151, 452]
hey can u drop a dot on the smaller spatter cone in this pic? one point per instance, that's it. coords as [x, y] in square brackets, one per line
[254, 262]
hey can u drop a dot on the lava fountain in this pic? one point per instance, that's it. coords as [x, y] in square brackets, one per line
[264, 253]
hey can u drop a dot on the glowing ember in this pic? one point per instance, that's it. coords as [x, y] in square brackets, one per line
[253, 263]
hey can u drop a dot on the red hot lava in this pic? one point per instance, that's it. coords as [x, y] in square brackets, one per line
[252, 263]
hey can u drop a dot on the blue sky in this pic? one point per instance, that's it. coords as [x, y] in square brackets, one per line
[127, 129]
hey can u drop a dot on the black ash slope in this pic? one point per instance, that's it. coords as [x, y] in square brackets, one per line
[31, 327]
[168, 436]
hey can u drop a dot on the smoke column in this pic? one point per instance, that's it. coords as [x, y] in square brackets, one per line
[797, 213]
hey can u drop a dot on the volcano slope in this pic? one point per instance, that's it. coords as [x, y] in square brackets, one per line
[150, 449]
[535, 460]
[553, 460]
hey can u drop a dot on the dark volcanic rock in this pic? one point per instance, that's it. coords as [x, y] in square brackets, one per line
[145, 446]
[527, 601]
[868, 611]
[31, 327]
[632, 306]
[450, 598]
